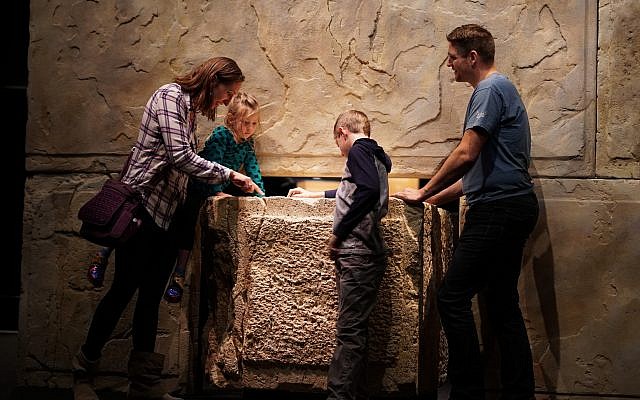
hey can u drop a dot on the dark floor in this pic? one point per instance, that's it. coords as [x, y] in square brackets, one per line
[8, 391]
[59, 394]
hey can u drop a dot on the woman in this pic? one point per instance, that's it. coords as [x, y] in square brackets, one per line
[163, 159]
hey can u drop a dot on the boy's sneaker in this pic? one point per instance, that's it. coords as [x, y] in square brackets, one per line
[174, 291]
[96, 270]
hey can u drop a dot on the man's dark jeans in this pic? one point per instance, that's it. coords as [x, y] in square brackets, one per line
[488, 258]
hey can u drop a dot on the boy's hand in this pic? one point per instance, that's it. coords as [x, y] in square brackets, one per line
[411, 196]
[333, 247]
[300, 192]
[244, 183]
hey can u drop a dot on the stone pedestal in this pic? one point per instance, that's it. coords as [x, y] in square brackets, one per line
[275, 302]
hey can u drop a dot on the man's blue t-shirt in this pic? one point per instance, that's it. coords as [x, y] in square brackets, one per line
[501, 170]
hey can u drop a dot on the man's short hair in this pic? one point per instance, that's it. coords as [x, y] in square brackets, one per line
[473, 37]
[354, 120]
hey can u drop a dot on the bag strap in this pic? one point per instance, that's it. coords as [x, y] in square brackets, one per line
[154, 181]
[126, 164]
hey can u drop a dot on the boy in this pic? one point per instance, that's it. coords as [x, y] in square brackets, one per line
[357, 248]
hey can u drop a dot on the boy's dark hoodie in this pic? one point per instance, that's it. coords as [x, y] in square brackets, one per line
[362, 199]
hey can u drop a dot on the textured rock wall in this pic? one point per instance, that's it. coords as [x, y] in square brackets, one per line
[276, 302]
[58, 301]
[579, 289]
[618, 151]
[93, 65]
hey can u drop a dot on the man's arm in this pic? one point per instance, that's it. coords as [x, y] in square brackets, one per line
[447, 195]
[453, 169]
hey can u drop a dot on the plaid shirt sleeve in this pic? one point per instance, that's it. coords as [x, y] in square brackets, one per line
[179, 140]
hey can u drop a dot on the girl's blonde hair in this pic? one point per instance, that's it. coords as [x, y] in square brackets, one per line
[241, 106]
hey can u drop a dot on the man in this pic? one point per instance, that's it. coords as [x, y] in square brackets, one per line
[490, 167]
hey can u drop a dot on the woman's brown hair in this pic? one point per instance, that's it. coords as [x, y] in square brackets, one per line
[201, 81]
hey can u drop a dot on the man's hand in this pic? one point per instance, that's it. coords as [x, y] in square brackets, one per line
[244, 183]
[411, 196]
[300, 192]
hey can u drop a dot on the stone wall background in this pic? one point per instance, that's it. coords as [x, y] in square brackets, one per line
[93, 65]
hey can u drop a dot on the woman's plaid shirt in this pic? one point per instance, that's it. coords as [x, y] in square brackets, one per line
[164, 156]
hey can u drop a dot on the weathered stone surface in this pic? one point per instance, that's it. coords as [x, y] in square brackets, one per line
[579, 286]
[279, 329]
[618, 152]
[440, 233]
[94, 65]
[58, 301]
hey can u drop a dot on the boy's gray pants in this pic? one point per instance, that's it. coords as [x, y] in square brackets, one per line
[358, 280]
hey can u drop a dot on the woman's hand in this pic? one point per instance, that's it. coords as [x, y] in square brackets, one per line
[244, 183]
[300, 192]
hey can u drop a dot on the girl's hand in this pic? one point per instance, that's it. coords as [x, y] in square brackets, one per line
[244, 183]
[334, 242]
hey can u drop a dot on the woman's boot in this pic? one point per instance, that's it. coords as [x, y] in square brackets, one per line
[145, 369]
[84, 371]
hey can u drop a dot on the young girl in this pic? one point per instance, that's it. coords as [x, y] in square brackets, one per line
[231, 145]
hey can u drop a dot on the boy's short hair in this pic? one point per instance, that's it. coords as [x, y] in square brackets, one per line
[354, 120]
[473, 37]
